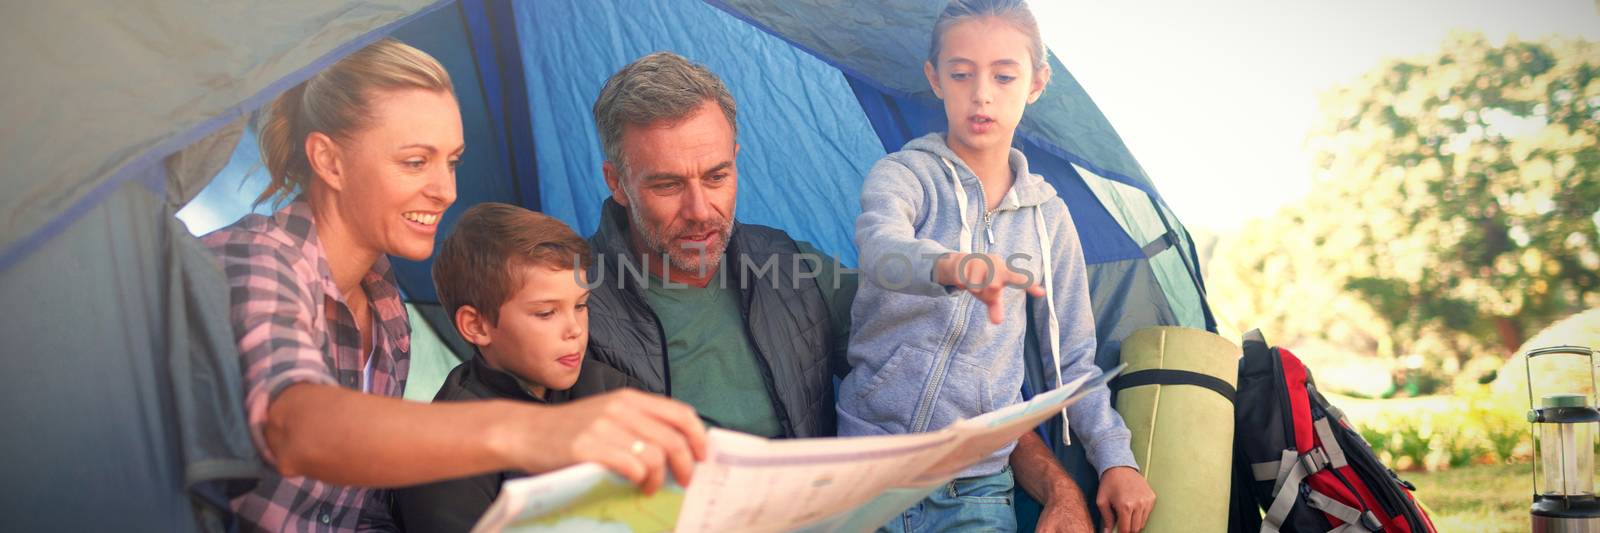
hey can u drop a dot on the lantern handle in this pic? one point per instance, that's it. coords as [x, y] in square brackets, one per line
[1594, 395]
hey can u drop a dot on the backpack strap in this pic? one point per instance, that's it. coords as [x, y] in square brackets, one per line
[1355, 520]
[1330, 444]
[1168, 376]
[1285, 492]
[1293, 469]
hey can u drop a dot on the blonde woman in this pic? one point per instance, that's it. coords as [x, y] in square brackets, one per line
[365, 153]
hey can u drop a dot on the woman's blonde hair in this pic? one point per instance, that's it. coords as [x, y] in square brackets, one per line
[336, 102]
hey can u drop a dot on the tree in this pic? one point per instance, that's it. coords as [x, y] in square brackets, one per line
[1456, 201]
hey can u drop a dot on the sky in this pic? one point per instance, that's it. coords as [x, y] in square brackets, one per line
[1215, 99]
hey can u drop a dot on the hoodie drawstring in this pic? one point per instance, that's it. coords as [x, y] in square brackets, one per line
[961, 208]
[1052, 324]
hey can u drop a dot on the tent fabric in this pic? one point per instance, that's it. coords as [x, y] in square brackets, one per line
[147, 90]
[191, 169]
[492, 29]
[124, 382]
[434, 352]
[804, 143]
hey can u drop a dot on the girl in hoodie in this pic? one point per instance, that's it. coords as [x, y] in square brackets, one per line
[954, 226]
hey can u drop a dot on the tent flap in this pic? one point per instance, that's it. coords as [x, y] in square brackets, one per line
[231, 58]
[124, 384]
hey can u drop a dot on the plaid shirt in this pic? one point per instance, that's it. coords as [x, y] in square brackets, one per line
[293, 326]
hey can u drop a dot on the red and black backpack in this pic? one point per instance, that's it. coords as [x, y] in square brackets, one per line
[1300, 462]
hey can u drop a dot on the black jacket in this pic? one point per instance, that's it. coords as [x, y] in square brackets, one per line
[456, 504]
[799, 346]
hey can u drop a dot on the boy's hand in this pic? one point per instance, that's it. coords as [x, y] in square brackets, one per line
[985, 276]
[635, 434]
[1124, 491]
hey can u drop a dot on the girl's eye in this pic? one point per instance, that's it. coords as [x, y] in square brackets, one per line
[1004, 78]
[960, 76]
[545, 314]
[454, 163]
[583, 307]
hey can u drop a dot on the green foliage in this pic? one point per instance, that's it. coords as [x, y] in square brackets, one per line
[1454, 209]
[1474, 427]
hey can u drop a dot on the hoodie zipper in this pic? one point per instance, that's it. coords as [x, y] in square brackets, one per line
[988, 214]
[924, 412]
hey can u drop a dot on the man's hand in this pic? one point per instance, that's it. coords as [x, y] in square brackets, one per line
[1124, 491]
[635, 434]
[1065, 513]
[985, 276]
[1041, 476]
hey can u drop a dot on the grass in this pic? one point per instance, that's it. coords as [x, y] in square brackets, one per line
[1489, 498]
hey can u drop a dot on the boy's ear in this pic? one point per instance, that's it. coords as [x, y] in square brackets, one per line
[1040, 81]
[933, 78]
[614, 182]
[472, 325]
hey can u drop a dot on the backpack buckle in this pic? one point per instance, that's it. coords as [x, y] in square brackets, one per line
[1371, 522]
[1313, 460]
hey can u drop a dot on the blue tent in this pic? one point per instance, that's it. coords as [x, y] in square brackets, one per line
[127, 133]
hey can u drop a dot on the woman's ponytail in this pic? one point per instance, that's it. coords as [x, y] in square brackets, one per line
[335, 102]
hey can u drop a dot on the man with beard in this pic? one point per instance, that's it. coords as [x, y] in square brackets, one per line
[738, 320]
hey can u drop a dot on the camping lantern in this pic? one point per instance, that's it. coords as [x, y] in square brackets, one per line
[1563, 437]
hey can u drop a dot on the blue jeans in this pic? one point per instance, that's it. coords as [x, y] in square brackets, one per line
[967, 504]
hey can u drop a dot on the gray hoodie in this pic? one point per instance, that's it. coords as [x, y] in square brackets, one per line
[924, 355]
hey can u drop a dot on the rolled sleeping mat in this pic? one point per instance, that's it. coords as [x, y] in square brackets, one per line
[1177, 397]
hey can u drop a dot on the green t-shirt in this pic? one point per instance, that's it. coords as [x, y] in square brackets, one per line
[714, 365]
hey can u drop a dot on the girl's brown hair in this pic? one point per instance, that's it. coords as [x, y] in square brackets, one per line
[1013, 12]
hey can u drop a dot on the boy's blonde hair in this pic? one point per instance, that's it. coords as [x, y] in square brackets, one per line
[336, 102]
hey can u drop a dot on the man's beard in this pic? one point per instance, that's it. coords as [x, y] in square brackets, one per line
[683, 259]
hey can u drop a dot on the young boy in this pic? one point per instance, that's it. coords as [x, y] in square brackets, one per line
[506, 276]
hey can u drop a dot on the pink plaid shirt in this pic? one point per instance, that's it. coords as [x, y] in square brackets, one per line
[293, 326]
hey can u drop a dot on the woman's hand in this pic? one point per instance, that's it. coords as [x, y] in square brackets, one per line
[638, 435]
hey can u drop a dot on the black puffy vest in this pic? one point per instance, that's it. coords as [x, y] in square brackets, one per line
[788, 326]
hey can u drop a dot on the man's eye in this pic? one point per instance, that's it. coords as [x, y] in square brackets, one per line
[416, 163]
[960, 76]
[454, 163]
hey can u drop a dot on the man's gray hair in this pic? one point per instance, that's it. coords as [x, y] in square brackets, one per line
[659, 86]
